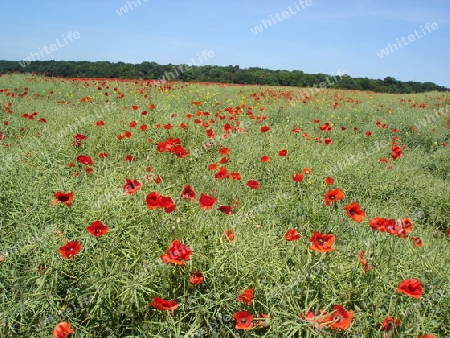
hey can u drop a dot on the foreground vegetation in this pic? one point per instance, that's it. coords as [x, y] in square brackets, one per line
[134, 209]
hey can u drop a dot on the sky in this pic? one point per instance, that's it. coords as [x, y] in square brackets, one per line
[405, 39]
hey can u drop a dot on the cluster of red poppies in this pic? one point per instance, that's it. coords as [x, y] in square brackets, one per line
[155, 200]
[401, 227]
[172, 145]
[70, 249]
[178, 253]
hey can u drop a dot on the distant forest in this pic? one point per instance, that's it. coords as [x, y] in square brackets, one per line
[208, 73]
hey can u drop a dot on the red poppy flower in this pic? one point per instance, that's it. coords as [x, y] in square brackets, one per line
[246, 296]
[244, 320]
[157, 179]
[229, 235]
[224, 151]
[396, 152]
[63, 197]
[235, 176]
[296, 130]
[167, 204]
[99, 123]
[410, 287]
[403, 227]
[133, 124]
[226, 209]
[318, 320]
[333, 196]
[97, 228]
[163, 304]
[381, 224]
[264, 129]
[188, 193]
[80, 137]
[206, 202]
[368, 133]
[224, 160]
[177, 253]
[417, 241]
[197, 278]
[329, 180]
[84, 159]
[265, 159]
[102, 155]
[341, 318]
[143, 127]
[180, 152]
[328, 140]
[164, 201]
[297, 177]
[292, 235]
[221, 174]
[77, 143]
[363, 261]
[355, 212]
[212, 166]
[62, 330]
[70, 249]
[253, 184]
[389, 324]
[448, 232]
[131, 186]
[427, 335]
[282, 152]
[326, 127]
[152, 200]
[264, 320]
[322, 242]
[170, 208]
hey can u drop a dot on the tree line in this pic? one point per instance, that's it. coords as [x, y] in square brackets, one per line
[209, 73]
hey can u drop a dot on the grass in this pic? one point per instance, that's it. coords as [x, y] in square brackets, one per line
[106, 289]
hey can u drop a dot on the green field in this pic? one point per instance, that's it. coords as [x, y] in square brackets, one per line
[388, 153]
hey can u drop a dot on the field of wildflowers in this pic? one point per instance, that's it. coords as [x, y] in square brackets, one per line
[134, 209]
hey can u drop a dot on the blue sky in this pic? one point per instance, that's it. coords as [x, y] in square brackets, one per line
[324, 37]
